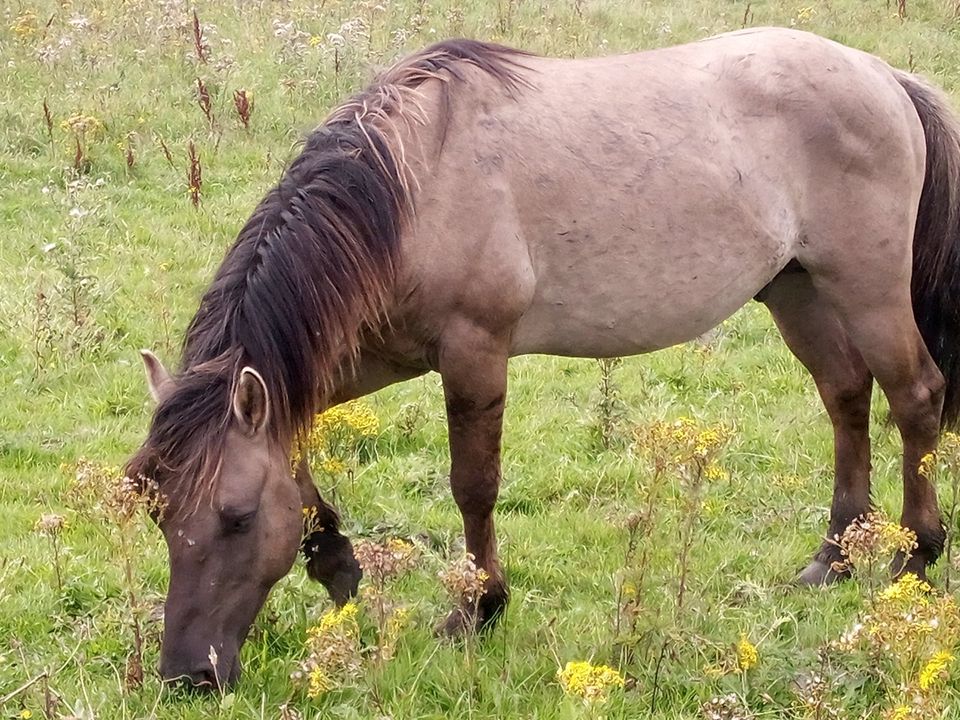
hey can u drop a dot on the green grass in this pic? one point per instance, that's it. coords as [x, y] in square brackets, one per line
[123, 250]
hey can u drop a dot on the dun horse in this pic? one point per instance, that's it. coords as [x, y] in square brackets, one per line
[476, 203]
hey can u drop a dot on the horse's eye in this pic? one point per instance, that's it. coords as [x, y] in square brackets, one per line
[236, 523]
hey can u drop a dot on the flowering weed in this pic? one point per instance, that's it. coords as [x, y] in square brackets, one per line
[587, 682]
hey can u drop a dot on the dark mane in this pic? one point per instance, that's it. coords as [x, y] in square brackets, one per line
[312, 269]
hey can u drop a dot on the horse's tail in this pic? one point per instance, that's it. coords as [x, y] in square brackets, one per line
[935, 286]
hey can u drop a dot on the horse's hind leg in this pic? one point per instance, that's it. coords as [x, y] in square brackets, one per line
[473, 366]
[814, 334]
[879, 318]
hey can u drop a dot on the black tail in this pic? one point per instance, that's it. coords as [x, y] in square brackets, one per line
[936, 241]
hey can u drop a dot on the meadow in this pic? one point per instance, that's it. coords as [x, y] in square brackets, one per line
[654, 510]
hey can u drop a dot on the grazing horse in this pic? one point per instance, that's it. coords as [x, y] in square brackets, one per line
[477, 202]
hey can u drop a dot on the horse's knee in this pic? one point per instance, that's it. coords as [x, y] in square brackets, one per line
[918, 407]
[476, 494]
[848, 403]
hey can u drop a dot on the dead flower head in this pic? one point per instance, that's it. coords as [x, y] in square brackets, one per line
[464, 581]
[871, 540]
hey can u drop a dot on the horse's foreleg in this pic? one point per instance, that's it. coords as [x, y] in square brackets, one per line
[813, 332]
[473, 365]
[329, 554]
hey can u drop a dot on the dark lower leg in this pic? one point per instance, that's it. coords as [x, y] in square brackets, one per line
[850, 414]
[474, 379]
[891, 345]
[918, 416]
[475, 482]
[329, 555]
[814, 333]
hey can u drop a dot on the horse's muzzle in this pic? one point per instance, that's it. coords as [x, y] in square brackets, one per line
[201, 675]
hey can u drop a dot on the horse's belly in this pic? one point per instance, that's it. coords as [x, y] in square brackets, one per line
[623, 309]
[615, 281]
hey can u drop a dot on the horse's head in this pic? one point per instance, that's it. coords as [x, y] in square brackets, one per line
[233, 515]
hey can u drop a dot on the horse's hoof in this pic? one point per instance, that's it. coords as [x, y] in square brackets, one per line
[466, 619]
[820, 574]
[330, 561]
[459, 623]
[914, 565]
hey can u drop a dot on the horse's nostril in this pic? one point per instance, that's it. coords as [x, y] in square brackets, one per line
[205, 678]
[202, 679]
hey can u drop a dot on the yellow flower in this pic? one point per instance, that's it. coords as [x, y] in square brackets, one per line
[319, 682]
[24, 27]
[747, 655]
[927, 464]
[901, 712]
[333, 466]
[908, 588]
[354, 415]
[714, 671]
[399, 619]
[333, 647]
[715, 472]
[592, 683]
[332, 619]
[935, 670]
[400, 546]
[26, 714]
[81, 125]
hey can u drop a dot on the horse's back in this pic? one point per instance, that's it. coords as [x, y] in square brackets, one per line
[635, 201]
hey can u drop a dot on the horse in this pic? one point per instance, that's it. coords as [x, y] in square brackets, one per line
[477, 202]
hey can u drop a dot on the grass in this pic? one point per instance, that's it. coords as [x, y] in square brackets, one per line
[101, 262]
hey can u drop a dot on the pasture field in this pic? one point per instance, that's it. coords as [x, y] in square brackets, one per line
[102, 252]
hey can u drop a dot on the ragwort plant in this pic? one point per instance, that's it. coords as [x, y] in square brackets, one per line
[115, 505]
[83, 131]
[869, 545]
[944, 462]
[900, 646]
[687, 452]
[333, 652]
[340, 439]
[904, 643]
[589, 684]
[337, 655]
[51, 525]
[382, 564]
[610, 409]
[465, 583]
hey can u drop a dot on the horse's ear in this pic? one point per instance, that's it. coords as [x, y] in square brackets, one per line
[158, 379]
[251, 401]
